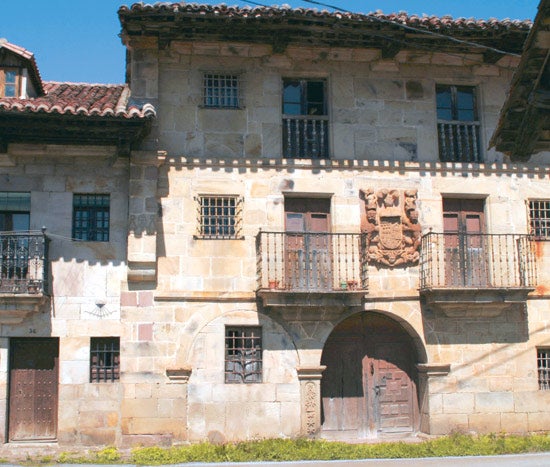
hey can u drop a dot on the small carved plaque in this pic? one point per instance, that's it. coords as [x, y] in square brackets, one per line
[392, 228]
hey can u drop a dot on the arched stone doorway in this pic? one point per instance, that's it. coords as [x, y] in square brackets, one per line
[369, 386]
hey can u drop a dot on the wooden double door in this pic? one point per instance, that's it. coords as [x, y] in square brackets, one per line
[308, 259]
[33, 389]
[369, 385]
[466, 249]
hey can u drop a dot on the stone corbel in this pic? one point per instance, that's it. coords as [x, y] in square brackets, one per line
[434, 369]
[179, 375]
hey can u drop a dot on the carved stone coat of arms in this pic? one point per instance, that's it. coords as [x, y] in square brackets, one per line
[391, 225]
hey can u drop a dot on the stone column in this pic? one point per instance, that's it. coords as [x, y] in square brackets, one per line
[310, 395]
[430, 403]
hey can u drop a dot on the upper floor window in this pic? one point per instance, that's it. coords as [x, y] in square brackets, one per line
[9, 81]
[458, 124]
[220, 216]
[15, 210]
[91, 214]
[305, 119]
[104, 359]
[243, 354]
[221, 91]
[539, 219]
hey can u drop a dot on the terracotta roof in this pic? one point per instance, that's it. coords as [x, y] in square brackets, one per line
[26, 55]
[434, 23]
[102, 100]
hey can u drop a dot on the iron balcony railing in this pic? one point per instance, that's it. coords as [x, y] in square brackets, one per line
[456, 260]
[305, 137]
[23, 262]
[312, 262]
[459, 141]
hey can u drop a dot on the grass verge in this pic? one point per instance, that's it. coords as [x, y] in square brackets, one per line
[302, 449]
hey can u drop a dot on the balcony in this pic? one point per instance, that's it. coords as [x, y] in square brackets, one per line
[23, 274]
[305, 137]
[459, 141]
[311, 269]
[476, 274]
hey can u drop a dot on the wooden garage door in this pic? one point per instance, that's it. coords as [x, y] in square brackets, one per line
[33, 389]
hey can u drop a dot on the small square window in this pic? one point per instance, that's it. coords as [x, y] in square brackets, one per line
[543, 368]
[243, 354]
[220, 217]
[91, 217]
[221, 91]
[104, 359]
[539, 219]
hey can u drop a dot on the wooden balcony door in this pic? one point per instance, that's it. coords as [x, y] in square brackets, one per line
[465, 249]
[33, 389]
[308, 262]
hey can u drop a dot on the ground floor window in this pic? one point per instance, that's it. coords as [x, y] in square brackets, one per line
[543, 367]
[104, 359]
[243, 354]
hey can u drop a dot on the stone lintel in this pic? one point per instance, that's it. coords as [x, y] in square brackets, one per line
[179, 375]
[434, 369]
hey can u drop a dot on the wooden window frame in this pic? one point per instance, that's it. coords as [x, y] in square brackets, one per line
[104, 359]
[243, 355]
[459, 140]
[91, 217]
[16, 84]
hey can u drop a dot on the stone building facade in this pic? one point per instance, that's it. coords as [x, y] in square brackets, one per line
[319, 242]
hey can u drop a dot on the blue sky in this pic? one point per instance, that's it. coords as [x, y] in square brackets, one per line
[77, 40]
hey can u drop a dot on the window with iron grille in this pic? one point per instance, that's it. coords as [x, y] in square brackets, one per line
[543, 368]
[104, 359]
[220, 217]
[221, 91]
[91, 217]
[539, 219]
[458, 124]
[243, 354]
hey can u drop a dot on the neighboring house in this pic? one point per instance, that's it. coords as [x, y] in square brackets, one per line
[319, 241]
[64, 169]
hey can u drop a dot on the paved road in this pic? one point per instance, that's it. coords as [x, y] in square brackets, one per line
[520, 460]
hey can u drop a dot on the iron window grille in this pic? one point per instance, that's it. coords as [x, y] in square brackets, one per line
[222, 91]
[91, 213]
[458, 125]
[104, 359]
[243, 354]
[543, 368]
[539, 219]
[219, 217]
